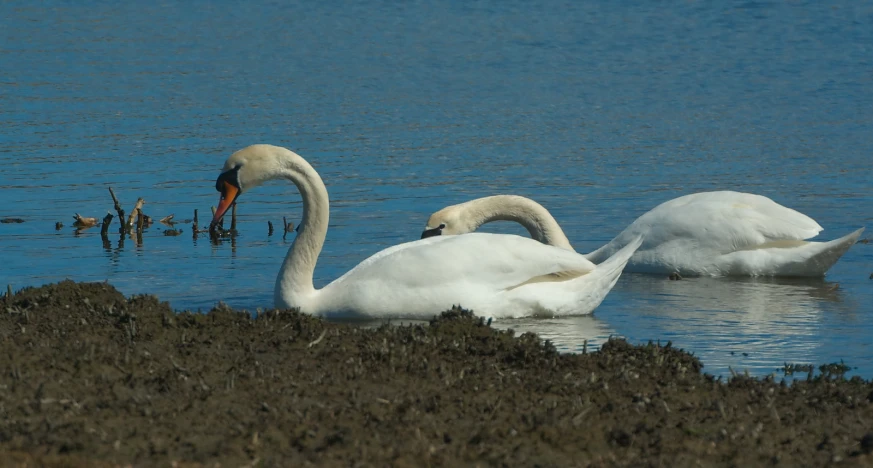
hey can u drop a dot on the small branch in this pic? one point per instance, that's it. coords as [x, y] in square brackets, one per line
[288, 227]
[135, 213]
[269, 228]
[118, 207]
[318, 340]
[194, 227]
[177, 366]
[140, 220]
[168, 220]
[233, 218]
[107, 220]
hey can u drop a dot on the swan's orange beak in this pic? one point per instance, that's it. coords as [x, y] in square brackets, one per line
[229, 192]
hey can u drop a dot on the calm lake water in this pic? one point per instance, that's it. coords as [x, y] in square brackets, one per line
[599, 110]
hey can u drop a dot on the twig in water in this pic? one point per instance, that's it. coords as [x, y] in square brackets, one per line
[140, 220]
[220, 223]
[118, 208]
[288, 227]
[269, 228]
[233, 218]
[134, 215]
[107, 220]
[168, 220]
[82, 222]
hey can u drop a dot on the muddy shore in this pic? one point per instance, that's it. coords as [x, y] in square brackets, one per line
[91, 378]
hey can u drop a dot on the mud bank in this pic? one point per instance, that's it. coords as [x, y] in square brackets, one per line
[91, 377]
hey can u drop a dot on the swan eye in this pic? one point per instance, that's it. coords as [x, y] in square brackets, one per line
[230, 177]
[442, 226]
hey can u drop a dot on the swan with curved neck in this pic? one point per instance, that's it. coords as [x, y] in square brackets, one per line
[495, 275]
[708, 233]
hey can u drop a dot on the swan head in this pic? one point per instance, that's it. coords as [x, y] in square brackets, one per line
[244, 170]
[449, 221]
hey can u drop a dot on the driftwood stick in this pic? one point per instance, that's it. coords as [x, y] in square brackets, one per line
[269, 228]
[168, 220]
[289, 226]
[220, 223]
[82, 222]
[118, 207]
[213, 228]
[233, 218]
[107, 220]
[194, 227]
[140, 220]
[134, 215]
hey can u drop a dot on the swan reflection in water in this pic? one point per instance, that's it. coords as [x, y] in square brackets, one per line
[754, 324]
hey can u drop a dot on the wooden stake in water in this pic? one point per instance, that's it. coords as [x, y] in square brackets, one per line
[118, 208]
[137, 210]
[140, 219]
[107, 220]
[233, 218]
[269, 228]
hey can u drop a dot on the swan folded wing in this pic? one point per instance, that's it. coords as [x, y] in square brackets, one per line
[723, 222]
[555, 277]
[494, 261]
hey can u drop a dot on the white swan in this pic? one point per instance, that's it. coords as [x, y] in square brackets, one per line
[701, 234]
[495, 275]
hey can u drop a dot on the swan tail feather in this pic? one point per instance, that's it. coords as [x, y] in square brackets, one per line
[612, 267]
[607, 273]
[826, 254]
[812, 259]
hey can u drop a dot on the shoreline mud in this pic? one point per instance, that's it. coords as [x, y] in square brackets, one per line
[92, 378]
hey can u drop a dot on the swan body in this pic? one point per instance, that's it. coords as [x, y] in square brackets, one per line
[702, 234]
[494, 275]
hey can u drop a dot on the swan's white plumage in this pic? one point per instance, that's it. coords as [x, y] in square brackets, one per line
[481, 271]
[484, 272]
[708, 233]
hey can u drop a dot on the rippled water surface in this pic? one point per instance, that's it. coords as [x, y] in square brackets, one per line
[599, 110]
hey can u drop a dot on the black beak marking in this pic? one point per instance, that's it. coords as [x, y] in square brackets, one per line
[431, 232]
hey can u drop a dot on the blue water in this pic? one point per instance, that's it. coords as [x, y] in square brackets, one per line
[599, 110]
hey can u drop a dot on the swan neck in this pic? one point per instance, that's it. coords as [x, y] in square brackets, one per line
[295, 283]
[534, 217]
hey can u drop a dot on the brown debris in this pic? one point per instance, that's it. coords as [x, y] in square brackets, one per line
[82, 222]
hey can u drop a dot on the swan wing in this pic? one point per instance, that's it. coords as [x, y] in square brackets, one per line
[721, 222]
[492, 274]
[498, 261]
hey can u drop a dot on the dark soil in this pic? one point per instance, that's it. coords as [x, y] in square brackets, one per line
[91, 378]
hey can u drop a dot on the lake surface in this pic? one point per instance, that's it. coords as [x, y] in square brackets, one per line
[599, 110]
